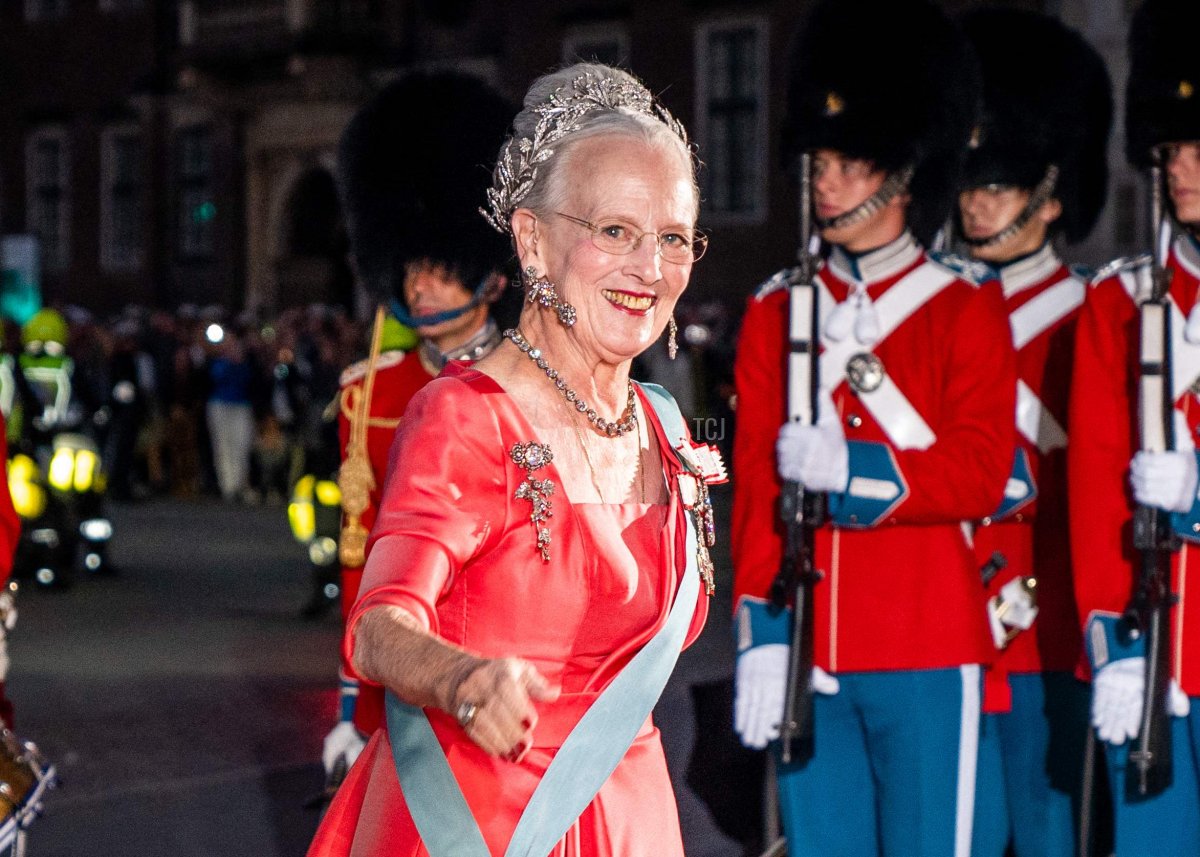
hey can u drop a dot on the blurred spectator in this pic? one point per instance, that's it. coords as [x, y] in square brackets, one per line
[244, 417]
[231, 415]
[130, 375]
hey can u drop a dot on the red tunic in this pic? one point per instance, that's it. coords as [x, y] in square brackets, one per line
[455, 548]
[10, 534]
[398, 377]
[1034, 538]
[1104, 412]
[904, 594]
[10, 522]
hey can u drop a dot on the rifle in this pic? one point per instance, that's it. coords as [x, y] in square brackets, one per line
[801, 512]
[1149, 769]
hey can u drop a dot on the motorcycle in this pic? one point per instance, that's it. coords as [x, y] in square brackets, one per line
[58, 491]
[315, 516]
[55, 471]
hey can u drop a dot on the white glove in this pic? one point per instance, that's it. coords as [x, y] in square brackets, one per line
[1012, 610]
[342, 740]
[824, 683]
[8, 607]
[1117, 700]
[1164, 480]
[759, 686]
[760, 679]
[815, 456]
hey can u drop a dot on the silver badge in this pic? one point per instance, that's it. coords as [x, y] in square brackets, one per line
[865, 372]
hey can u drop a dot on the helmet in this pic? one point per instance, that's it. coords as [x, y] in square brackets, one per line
[1162, 102]
[412, 175]
[1057, 110]
[46, 325]
[889, 81]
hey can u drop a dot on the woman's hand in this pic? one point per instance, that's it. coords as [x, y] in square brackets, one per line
[494, 704]
[492, 698]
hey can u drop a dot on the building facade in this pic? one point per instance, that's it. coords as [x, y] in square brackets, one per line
[171, 152]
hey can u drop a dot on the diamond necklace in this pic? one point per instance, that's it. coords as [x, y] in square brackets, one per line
[639, 475]
[609, 429]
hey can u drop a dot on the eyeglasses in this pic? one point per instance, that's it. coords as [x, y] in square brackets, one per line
[611, 236]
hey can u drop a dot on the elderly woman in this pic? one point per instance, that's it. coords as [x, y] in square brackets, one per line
[540, 554]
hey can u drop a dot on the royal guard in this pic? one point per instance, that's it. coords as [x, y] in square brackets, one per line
[1037, 171]
[10, 534]
[912, 434]
[1132, 463]
[413, 166]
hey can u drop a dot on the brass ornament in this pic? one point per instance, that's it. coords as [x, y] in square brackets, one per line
[352, 544]
[865, 372]
[355, 479]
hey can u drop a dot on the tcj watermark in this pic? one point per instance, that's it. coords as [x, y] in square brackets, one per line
[708, 429]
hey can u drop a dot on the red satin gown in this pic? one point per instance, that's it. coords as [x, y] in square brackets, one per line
[455, 548]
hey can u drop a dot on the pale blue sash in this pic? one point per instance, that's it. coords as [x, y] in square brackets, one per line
[587, 757]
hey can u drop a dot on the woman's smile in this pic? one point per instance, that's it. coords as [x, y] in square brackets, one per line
[631, 302]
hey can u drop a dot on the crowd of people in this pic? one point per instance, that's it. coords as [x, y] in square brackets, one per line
[201, 402]
[193, 402]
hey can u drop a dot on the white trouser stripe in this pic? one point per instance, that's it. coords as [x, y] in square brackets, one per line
[1035, 421]
[968, 756]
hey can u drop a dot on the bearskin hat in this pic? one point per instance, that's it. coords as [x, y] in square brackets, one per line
[1162, 100]
[414, 166]
[1050, 102]
[890, 81]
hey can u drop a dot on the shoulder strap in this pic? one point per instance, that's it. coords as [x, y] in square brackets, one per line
[667, 411]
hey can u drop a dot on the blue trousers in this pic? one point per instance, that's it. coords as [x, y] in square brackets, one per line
[1167, 825]
[1030, 769]
[893, 772]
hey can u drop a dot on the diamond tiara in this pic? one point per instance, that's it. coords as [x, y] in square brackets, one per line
[558, 116]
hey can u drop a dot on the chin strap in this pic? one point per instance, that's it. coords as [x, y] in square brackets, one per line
[400, 311]
[1040, 196]
[895, 184]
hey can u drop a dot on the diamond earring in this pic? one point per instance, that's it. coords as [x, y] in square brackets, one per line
[540, 290]
[672, 344]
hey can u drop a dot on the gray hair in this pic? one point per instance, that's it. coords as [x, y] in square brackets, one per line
[561, 110]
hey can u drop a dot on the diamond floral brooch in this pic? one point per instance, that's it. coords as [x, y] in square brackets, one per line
[529, 457]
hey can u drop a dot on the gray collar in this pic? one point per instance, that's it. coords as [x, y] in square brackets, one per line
[1029, 270]
[876, 265]
[475, 348]
[1187, 253]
